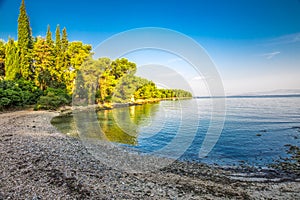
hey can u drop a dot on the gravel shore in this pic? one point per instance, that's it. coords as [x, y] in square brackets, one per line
[38, 162]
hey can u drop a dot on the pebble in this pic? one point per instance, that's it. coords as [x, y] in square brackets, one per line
[59, 167]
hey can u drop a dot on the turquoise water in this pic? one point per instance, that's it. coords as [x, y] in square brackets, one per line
[255, 131]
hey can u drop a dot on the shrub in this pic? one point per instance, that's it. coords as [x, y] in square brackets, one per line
[18, 93]
[59, 92]
[50, 102]
[53, 99]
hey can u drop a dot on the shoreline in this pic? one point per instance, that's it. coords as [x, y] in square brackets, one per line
[37, 161]
[109, 106]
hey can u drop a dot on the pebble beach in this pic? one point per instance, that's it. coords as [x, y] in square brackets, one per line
[39, 162]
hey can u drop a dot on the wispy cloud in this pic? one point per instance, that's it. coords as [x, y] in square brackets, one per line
[285, 39]
[270, 55]
[198, 78]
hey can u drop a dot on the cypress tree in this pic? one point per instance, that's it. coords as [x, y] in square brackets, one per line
[59, 59]
[49, 49]
[12, 69]
[25, 43]
[64, 40]
[57, 39]
[49, 37]
[64, 67]
[2, 58]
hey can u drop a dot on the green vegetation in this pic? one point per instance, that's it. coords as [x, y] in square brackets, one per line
[18, 93]
[52, 99]
[48, 72]
[12, 69]
[25, 43]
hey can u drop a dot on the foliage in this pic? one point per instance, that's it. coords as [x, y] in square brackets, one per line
[111, 75]
[64, 41]
[2, 58]
[18, 93]
[12, 70]
[76, 54]
[44, 60]
[87, 78]
[126, 88]
[149, 90]
[59, 92]
[51, 102]
[122, 66]
[25, 43]
[57, 40]
[59, 69]
[53, 98]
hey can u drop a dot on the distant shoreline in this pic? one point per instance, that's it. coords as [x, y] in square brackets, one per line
[109, 106]
[249, 96]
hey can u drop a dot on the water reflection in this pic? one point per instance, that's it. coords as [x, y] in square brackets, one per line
[121, 125]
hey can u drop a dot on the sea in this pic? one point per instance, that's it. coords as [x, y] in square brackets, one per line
[245, 130]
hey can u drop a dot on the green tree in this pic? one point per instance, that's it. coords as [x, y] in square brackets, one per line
[76, 54]
[12, 69]
[59, 57]
[2, 58]
[147, 91]
[91, 71]
[49, 37]
[25, 43]
[127, 86]
[122, 66]
[64, 40]
[44, 61]
[111, 76]
[54, 66]
[57, 40]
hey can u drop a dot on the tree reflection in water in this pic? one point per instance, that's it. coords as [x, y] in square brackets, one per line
[120, 125]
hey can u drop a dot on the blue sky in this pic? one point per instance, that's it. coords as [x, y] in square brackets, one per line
[255, 44]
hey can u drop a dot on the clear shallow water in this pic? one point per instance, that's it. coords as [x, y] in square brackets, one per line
[255, 131]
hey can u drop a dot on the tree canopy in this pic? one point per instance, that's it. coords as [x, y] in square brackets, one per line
[25, 43]
[59, 69]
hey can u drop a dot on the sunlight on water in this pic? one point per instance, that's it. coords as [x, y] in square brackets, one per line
[255, 133]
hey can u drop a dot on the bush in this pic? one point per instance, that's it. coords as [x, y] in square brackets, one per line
[30, 90]
[18, 93]
[50, 102]
[53, 99]
[4, 102]
[59, 92]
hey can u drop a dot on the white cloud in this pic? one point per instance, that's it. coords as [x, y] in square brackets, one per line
[285, 39]
[198, 78]
[271, 55]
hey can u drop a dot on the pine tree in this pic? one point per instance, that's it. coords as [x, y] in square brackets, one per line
[25, 43]
[57, 39]
[64, 40]
[2, 58]
[49, 36]
[65, 64]
[59, 57]
[12, 69]
[51, 54]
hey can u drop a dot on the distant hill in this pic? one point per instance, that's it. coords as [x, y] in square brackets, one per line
[273, 92]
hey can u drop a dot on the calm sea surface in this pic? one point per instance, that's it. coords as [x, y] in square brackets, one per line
[255, 131]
